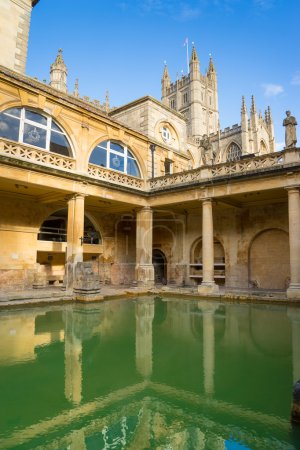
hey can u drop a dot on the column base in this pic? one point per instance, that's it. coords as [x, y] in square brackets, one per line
[144, 275]
[208, 288]
[293, 291]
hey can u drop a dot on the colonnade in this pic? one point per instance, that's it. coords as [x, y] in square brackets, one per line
[144, 269]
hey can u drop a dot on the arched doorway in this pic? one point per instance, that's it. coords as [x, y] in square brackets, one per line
[269, 260]
[160, 267]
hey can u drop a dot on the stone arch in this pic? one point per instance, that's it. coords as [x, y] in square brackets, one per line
[269, 259]
[125, 143]
[58, 232]
[263, 149]
[196, 251]
[174, 134]
[160, 266]
[61, 129]
[196, 261]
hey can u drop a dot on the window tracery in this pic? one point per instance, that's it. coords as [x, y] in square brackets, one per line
[29, 127]
[234, 152]
[115, 156]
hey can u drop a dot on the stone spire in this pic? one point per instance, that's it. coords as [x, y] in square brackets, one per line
[211, 67]
[244, 127]
[165, 84]
[211, 72]
[107, 106]
[254, 126]
[253, 106]
[76, 90]
[194, 64]
[270, 125]
[58, 73]
[244, 107]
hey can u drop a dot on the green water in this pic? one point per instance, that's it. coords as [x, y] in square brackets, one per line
[149, 374]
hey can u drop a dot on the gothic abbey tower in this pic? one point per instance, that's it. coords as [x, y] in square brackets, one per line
[195, 96]
[15, 22]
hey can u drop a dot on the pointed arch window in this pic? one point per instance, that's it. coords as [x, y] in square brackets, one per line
[32, 128]
[234, 152]
[115, 156]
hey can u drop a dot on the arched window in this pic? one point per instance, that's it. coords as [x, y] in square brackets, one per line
[116, 157]
[234, 152]
[30, 127]
[263, 148]
[54, 228]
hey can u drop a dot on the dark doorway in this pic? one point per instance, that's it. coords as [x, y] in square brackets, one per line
[160, 267]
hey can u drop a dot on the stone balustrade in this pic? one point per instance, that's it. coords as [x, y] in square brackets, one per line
[270, 161]
[34, 155]
[119, 178]
[246, 165]
[45, 158]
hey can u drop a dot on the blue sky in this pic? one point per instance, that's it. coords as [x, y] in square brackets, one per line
[121, 45]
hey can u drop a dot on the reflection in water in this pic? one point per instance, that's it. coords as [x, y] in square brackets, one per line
[19, 336]
[294, 316]
[144, 314]
[147, 373]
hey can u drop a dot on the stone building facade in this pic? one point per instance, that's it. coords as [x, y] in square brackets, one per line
[142, 193]
[15, 23]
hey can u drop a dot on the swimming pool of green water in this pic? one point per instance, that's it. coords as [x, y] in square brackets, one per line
[149, 373]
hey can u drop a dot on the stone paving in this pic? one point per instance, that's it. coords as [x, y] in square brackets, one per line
[55, 294]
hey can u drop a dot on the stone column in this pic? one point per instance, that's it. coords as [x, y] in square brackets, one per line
[144, 314]
[208, 285]
[75, 231]
[144, 270]
[294, 235]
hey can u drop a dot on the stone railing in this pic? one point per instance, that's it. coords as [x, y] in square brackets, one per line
[248, 164]
[244, 166]
[122, 179]
[34, 155]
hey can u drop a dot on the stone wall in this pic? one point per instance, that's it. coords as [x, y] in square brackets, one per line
[14, 24]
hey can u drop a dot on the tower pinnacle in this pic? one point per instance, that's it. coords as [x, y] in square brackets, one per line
[211, 66]
[244, 107]
[194, 65]
[58, 73]
[165, 83]
[253, 106]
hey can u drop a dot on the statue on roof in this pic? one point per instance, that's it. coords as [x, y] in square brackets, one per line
[207, 153]
[290, 130]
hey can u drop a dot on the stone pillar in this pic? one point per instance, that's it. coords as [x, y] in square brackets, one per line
[75, 232]
[144, 270]
[294, 235]
[144, 314]
[208, 285]
[208, 311]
